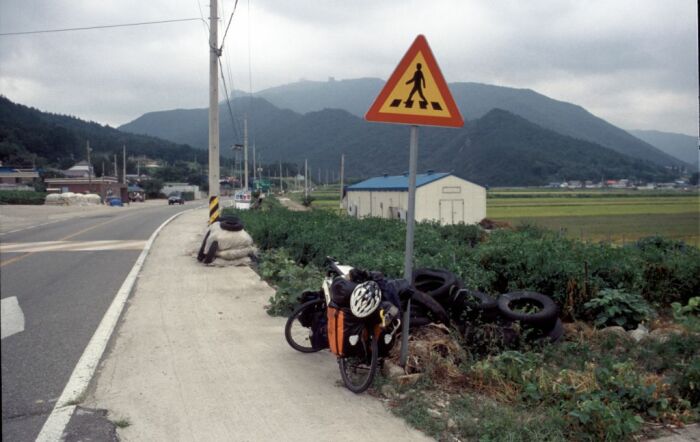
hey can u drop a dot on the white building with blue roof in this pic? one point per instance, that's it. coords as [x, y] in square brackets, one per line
[441, 197]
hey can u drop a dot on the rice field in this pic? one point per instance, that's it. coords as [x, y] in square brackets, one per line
[617, 216]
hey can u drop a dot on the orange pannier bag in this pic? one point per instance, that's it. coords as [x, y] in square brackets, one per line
[336, 326]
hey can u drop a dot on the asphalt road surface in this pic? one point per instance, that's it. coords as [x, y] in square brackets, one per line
[56, 282]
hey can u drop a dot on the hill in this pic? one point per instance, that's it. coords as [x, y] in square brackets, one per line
[474, 101]
[499, 148]
[683, 147]
[28, 136]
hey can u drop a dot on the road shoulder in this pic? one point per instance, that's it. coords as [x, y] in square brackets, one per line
[197, 357]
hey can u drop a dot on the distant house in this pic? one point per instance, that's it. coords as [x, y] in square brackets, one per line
[169, 188]
[17, 179]
[441, 197]
[106, 186]
[80, 170]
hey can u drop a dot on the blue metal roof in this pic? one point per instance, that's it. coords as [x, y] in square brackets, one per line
[396, 182]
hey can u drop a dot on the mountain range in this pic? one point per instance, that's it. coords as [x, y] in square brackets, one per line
[683, 147]
[500, 148]
[321, 120]
[474, 100]
[29, 136]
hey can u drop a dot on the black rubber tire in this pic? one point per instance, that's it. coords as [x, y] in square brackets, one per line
[200, 254]
[210, 255]
[544, 319]
[289, 335]
[472, 305]
[433, 307]
[349, 364]
[418, 322]
[437, 283]
[556, 333]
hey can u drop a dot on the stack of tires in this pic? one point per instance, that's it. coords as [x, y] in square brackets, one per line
[514, 316]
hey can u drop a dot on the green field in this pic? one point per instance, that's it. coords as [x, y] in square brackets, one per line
[616, 216]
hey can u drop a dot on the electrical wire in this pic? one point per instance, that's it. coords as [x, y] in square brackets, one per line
[201, 14]
[45, 31]
[250, 76]
[228, 101]
[229, 23]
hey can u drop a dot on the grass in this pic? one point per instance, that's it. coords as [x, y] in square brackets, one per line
[617, 217]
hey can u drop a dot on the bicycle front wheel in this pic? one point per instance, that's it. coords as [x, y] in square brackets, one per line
[298, 330]
[358, 371]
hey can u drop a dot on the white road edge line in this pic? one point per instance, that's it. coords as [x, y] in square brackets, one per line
[77, 385]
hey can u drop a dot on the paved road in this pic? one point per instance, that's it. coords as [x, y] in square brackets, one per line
[63, 277]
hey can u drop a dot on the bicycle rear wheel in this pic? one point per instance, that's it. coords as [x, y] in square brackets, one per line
[358, 371]
[298, 335]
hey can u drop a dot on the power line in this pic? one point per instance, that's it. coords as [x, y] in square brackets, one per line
[229, 23]
[45, 31]
[228, 101]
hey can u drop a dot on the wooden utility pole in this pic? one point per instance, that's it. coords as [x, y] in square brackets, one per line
[306, 178]
[124, 164]
[89, 167]
[245, 150]
[214, 54]
[116, 171]
[342, 175]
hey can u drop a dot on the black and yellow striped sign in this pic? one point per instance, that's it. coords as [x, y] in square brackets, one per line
[213, 209]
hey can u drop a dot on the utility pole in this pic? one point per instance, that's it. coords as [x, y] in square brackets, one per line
[124, 164]
[342, 175]
[255, 166]
[214, 53]
[281, 187]
[245, 150]
[116, 171]
[306, 178]
[89, 167]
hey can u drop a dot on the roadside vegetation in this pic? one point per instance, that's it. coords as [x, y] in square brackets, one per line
[599, 384]
[22, 197]
[618, 216]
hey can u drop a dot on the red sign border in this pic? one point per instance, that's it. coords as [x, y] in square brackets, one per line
[420, 44]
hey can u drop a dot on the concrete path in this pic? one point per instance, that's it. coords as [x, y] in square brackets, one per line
[196, 357]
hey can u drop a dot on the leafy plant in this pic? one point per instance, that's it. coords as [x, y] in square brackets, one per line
[22, 197]
[616, 307]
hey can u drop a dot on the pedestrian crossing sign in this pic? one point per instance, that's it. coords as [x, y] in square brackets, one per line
[416, 93]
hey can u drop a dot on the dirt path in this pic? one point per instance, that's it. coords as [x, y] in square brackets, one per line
[293, 205]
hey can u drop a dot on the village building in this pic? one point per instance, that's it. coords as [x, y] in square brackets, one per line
[441, 197]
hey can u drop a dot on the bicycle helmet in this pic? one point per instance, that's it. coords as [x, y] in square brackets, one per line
[365, 299]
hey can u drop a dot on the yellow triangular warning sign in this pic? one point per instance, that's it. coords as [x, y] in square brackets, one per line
[416, 93]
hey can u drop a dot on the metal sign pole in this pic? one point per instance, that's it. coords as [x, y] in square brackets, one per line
[410, 224]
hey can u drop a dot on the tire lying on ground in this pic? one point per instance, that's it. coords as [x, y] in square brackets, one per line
[437, 283]
[471, 305]
[543, 316]
[424, 306]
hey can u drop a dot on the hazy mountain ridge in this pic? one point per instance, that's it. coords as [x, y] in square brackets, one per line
[500, 148]
[28, 135]
[474, 101]
[684, 147]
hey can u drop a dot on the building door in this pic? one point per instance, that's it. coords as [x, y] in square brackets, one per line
[451, 211]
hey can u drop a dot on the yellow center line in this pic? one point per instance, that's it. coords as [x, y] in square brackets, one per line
[65, 238]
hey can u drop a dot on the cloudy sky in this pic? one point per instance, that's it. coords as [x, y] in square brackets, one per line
[631, 62]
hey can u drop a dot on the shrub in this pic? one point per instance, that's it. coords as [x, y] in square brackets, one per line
[289, 279]
[670, 270]
[22, 197]
[616, 307]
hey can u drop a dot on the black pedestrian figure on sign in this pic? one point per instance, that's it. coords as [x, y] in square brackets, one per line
[418, 84]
